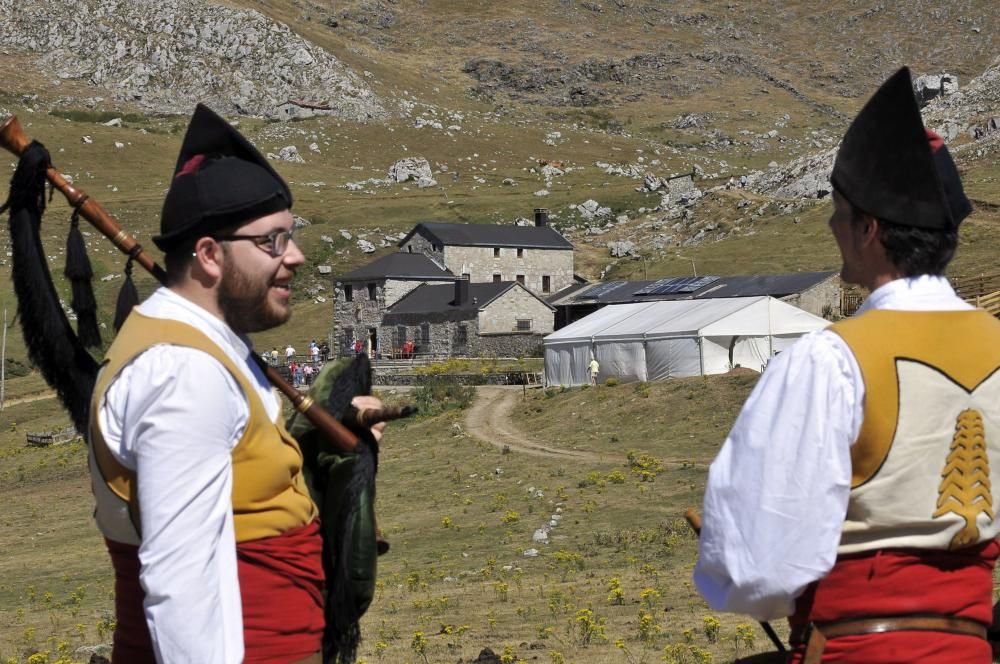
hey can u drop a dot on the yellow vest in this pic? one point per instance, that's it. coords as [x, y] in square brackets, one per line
[269, 492]
[928, 451]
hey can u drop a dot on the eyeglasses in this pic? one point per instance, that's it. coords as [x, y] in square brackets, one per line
[274, 243]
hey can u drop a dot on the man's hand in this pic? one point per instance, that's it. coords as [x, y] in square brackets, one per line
[368, 402]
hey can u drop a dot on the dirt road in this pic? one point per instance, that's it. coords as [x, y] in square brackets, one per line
[489, 419]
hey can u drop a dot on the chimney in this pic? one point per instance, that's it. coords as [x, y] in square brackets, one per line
[461, 291]
[541, 216]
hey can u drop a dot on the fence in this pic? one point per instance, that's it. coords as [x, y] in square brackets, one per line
[47, 438]
[981, 291]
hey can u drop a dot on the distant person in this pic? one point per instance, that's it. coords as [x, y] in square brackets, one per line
[289, 353]
[854, 492]
[743, 181]
[595, 368]
[273, 356]
[307, 374]
[358, 345]
[324, 351]
[731, 184]
[313, 351]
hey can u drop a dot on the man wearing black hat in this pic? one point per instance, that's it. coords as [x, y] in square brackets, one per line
[199, 488]
[854, 492]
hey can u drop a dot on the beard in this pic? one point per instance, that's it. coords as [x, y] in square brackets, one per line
[244, 302]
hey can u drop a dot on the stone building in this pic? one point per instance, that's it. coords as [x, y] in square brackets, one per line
[501, 319]
[362, 297]
[537, 257]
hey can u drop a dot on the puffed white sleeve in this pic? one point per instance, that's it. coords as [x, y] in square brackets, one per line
[183, 416]
[777, 493]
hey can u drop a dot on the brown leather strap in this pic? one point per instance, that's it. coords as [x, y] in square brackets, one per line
[815, 635]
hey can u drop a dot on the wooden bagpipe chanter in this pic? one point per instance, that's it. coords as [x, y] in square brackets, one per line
[339, 451]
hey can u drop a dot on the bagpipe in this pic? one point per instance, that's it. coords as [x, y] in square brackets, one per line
[341, 456]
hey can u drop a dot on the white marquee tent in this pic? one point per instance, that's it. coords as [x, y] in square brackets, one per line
[668, 339]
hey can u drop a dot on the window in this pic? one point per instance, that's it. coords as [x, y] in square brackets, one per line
[409, 248]
[546, 283]
[496, 252]
[496, 278]
[437, 247]
[400, 335]
[523, 325]
[348, 293]
[461, 335]
[425, 334]
[520, 279]
[371, 291]
[466, 275]
[520, 253]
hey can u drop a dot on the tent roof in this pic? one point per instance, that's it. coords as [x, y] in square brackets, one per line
[750, 316]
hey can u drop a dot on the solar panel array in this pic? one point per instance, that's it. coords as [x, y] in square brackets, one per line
[600, 289]
[676, 285]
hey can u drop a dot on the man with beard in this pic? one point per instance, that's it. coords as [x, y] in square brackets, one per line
[854, 493]
[199, 487]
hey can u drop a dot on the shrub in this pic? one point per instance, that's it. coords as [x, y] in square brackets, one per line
[611, 382]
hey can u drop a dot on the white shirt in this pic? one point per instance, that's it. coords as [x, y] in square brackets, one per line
[777, 493]
[173, 416]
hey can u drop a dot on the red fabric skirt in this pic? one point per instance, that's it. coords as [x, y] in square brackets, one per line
[899, 582]
[281, 585]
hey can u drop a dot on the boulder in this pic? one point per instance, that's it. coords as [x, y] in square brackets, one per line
[410, 168]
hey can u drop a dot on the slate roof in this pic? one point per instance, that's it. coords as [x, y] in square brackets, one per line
[490, 235]
[400, 265]
[775, 285]
[436, 302]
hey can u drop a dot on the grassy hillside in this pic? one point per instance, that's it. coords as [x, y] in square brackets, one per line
[456, 572]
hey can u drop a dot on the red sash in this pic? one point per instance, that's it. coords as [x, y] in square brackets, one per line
[904, 582]
[281, 585]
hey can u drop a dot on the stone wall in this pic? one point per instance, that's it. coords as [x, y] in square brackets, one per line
[501, 316]
[444, 339]
[513, 344]
[481, 264]
[823, 299]
[352, 320]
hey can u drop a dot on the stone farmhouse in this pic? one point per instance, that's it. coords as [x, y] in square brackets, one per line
[362, 297]
[435, 259]
[502, 319]
[537, 257]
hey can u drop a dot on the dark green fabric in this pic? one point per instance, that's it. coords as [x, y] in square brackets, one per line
[328, 474]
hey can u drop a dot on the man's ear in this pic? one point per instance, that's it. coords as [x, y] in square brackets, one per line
[209, 257]
[868, 230]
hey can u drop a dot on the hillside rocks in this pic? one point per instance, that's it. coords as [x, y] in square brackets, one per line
[168, 55]
[930, 86]
[413, 168]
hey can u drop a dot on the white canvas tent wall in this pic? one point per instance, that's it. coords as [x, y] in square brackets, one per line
[667, 339]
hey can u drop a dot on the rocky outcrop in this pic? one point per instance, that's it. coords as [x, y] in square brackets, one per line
[167, 55]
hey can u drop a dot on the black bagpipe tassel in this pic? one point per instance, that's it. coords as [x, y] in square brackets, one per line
[128, 297]
[79, 273]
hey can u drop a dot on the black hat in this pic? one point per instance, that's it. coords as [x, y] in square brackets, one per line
[220, 180]
[895, 170]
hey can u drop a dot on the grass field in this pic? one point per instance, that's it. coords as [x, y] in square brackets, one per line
[613, 583]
